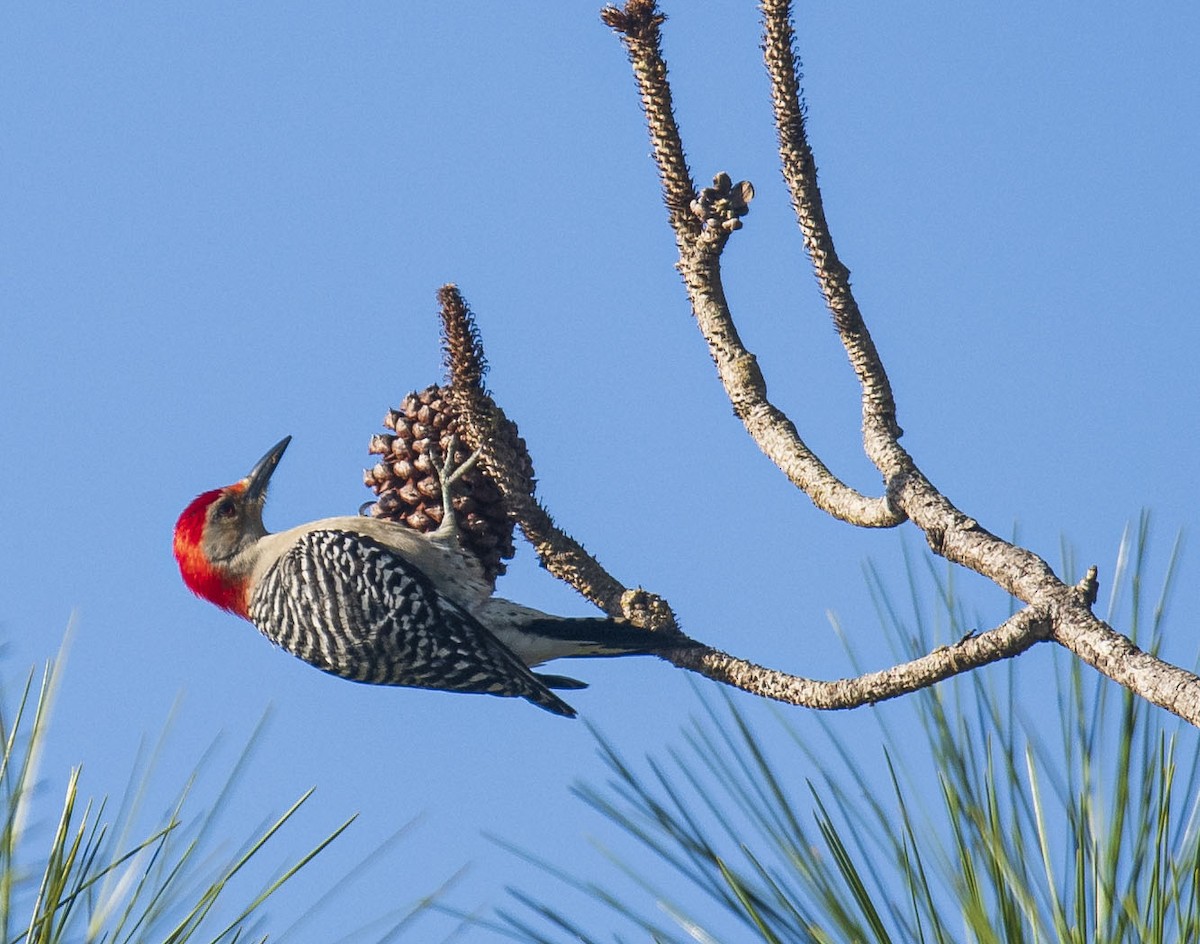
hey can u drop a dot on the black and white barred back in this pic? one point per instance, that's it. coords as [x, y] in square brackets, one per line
[353, 607]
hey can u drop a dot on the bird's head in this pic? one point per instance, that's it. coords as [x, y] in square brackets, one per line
[216, 534]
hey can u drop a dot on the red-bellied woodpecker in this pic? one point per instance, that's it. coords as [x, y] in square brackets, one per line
[373, 601]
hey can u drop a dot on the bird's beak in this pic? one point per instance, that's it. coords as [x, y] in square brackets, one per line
[260, 475]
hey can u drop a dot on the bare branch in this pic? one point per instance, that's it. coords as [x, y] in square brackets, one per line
[701, 231]
[508, 465]
[506, 461]
[461, 343]
[950, 532]
[800, 173]
[1112, 654]
[769, 426]
[639, 24]
[1010, 638]
[961, 539]
[487, 428]
[703, 224]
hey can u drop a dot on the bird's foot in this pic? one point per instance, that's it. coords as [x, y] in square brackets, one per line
[448, 475]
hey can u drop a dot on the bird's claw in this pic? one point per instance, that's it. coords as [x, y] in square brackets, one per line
[448, 474]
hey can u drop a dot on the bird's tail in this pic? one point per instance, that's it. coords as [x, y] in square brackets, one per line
[560, 637]
[595, 637]
[561, 682]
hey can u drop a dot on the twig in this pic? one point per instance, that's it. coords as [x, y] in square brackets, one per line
[701, 236]
[503, 455]
[800, 174]
[506, 460]
[1012, 637]
[951, 533]
[640, 24]
[702, 223]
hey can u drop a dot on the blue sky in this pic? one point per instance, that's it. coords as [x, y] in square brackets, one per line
[223, 223]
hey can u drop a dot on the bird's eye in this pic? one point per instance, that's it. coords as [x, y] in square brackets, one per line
[226, 509]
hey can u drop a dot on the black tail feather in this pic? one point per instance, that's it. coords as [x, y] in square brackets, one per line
[561, 682]
[611, 637]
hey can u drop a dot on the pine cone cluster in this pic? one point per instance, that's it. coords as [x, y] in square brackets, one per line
[724, 203]
[409, 489]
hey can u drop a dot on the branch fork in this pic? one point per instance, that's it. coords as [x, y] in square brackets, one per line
[703, 221]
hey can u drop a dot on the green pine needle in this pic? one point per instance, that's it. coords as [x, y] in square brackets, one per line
[993, 821]
[88, 881]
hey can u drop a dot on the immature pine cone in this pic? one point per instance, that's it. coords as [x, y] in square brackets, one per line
[410, 492]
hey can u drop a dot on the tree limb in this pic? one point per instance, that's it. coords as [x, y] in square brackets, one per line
[503, 455]
[703, 223]
[1012, 637]
[950, 532]
[701, 235]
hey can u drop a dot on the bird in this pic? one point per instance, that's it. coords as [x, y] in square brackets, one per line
[374, 601]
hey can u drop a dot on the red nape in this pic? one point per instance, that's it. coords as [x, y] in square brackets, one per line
[201, 577]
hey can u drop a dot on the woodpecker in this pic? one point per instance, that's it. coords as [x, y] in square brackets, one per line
[374, 601]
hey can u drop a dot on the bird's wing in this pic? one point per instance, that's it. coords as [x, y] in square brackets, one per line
[349, 605]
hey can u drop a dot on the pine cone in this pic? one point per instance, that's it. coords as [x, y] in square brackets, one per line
[410, 493]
